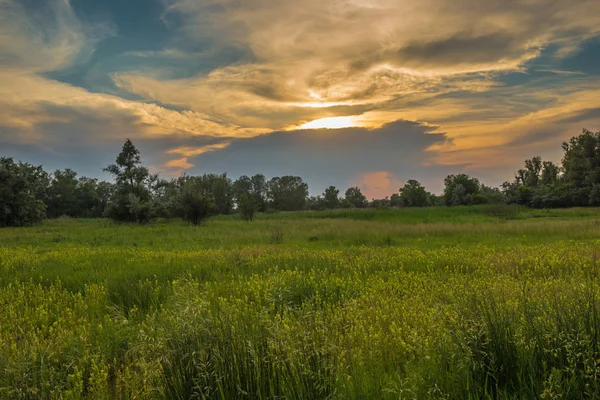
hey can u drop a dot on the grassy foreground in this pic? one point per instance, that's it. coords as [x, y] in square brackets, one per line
[455, 303]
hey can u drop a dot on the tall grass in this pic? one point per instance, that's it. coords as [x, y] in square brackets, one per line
[497, 309]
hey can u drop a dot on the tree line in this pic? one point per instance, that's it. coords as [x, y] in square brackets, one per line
[28, 194]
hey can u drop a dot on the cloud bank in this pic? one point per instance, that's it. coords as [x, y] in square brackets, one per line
[417, 87]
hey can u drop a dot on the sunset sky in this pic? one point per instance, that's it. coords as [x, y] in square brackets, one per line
[408, 89]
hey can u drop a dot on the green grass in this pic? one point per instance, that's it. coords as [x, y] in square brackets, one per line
[465, 302]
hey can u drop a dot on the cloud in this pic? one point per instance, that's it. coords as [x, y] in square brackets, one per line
[196, 151]
[230, 82]
[337, 40]
[378, 184]
[333, 156]
[47, 38]
[180, 164]
[470, 52]
[374, 61]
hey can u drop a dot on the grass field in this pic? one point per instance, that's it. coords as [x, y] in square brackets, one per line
[457, 303]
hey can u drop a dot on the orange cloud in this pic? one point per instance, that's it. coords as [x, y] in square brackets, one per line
[181, 164]
[378, 184]
[188, 151]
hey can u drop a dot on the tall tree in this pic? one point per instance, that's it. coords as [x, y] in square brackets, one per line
[413, 194]
[461, 189]
[247, 207]
[259, 191]
[89, 203]
[287, 193]
[533, 171]
[195, 203]
[132, 200]
[21, 189]
[581, 166]
[550, 173]
[220, 188]
[62, 194]
[355, 197]
[241, 186]
[331, 197]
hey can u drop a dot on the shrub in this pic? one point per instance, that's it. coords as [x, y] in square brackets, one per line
[196, 206]
[502, 211]
[19, 185]
[247, 207]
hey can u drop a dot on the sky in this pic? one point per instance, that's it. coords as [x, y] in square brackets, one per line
[369, 93]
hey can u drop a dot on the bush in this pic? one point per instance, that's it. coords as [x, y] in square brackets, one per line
[247, 207]
[346, 204]
[196, 206]
[19, 185]
[502, 211]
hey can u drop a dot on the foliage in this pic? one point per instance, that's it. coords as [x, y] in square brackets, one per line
[69, 196]
[380, 204]
[196, 204]
[413, 194]
[316, 203]
[330, 197]
[542, 184]
[132, 200]
[138, 196]
[255, 186]
[356, 198]
[345, 203]
[221, 190]
[287, 193]
[247, 207]
[461, 189]
[21, 191]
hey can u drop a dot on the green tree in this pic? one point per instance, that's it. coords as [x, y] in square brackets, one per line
[491, 195]
[413, 194]
[331, 197]
[105, 191]
[89, 203]
[247, 207]
[62, 194]
[220, 188]
[460, 189]
[316, 203]
[259, 191]
[195, 203]
[550, 173]
[287, 193]
[132, 200]
[254, 186]
[21, 188]
[533, 172]
[241, 186]
[581, 166]
[355, 197]
[395, 200]
[380, 204]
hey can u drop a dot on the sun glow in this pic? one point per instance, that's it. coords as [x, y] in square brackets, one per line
[331, 123]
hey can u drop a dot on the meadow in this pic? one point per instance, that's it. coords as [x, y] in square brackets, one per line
[436, 303]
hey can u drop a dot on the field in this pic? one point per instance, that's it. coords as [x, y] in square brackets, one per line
[448, 303]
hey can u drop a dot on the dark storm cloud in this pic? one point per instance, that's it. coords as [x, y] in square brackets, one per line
[462, 48]
[326, 156]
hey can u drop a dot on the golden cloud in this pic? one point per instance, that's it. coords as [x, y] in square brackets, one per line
[188, 151]
[315, 64]
[181, 164]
